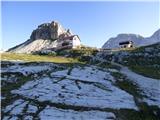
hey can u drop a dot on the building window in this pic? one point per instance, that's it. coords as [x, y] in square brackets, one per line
[65, 44]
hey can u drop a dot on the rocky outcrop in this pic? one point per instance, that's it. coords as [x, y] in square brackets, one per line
[137, 40]
[49, 31]
[44, 37]
[153, 39]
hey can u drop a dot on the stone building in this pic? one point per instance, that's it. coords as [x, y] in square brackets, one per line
[68, 42]
[126, 44]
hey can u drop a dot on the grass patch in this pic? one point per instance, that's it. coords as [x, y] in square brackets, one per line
[148, 71]
[37, 58]
[101, 86]
[69, 71]
[7, 88]
[107, 65]
[145, 112]
[11, 86]
[144, 60]
[78, 52]
[126, 85]
[149, 67]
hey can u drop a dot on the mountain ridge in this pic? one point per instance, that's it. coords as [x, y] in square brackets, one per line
[138, 40]
[45, 36]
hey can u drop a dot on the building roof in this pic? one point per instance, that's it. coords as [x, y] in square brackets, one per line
[70, 37]
[125, 42]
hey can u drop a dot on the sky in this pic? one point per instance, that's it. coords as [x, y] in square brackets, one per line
[94, 22]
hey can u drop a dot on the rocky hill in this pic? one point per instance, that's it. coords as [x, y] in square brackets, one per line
[143, 60]
[71, 90]
[137, 40]
[53, 91]
[46, 36]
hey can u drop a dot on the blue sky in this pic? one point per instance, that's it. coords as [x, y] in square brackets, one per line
[94, 22]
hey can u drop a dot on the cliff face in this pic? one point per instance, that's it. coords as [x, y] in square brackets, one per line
[49, 31]
[44, 37]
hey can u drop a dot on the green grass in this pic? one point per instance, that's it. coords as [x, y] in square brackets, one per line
[125, 84]
[109, 65]
[144, 60]
[37, 58]
[7, 88]
[144, 66]
[145, 112]
[83, 54]
[147, 71]
[142, 48]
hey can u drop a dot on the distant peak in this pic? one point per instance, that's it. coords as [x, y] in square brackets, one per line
[138, 40]
[128, 35]
[156, 33]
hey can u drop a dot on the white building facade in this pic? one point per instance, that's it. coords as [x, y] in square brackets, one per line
[69, 42]
[126, 44]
